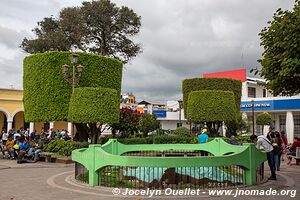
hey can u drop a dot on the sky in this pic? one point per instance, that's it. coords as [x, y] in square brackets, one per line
[180, 39]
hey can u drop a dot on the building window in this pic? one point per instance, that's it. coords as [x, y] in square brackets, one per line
[282, 120]
[264, 93]
[251, 92]
[297, 125]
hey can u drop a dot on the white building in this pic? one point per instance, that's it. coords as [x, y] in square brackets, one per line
[171, 119]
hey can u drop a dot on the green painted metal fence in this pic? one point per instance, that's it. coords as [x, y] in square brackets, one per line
[105, 164]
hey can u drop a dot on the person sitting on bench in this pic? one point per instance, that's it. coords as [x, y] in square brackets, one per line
[292, 149]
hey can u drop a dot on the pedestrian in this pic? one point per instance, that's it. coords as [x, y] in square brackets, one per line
[277, 148]
[262, 142]
[203, 138]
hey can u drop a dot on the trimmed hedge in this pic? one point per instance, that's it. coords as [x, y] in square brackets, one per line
[91, 105]
[223, 84]
[211, 106]
[47, 94]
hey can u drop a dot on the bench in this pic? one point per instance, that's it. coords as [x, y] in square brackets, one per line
[47, 156]
[297, 157]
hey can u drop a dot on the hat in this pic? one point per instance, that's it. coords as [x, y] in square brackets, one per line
[204, 130]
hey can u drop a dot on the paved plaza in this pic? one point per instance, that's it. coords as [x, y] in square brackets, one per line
[56, 181]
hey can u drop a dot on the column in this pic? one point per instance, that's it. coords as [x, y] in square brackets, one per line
[51, 125]
[277, 122]
[31, 127]
[289, 126]
[70, 128]
[223, 128]
[9, 125]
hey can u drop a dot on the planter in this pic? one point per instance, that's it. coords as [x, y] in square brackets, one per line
[64, 160]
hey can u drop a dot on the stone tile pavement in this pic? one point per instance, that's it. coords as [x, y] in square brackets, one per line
[56, 182]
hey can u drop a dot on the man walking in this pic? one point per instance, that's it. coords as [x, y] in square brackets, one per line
[262, 142]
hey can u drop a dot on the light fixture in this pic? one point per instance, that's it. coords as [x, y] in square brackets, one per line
[73, 58]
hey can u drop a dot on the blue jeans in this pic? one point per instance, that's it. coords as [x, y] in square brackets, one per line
[37, 154]
[277, 160]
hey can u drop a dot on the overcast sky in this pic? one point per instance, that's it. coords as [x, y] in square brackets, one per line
[180, 38]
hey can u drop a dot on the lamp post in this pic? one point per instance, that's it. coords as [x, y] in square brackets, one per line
[72, 77]
[253, 131]
[180, 107]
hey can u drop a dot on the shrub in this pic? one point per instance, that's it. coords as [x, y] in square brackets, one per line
[90, 105]
[223, 84]
[47, 94]
[64, 148]
[183, 131]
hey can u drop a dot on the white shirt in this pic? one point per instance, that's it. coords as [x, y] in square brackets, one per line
[264, 143]
[5, 136]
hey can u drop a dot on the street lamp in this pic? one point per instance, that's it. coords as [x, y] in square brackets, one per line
[180, 107]
[73, 77]
[253, 124]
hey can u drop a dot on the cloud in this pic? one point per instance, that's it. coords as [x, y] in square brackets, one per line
[180, 38]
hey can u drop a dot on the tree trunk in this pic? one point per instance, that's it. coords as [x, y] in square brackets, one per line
[82, 132]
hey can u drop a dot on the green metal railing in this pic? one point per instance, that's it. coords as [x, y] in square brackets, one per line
[148, 165]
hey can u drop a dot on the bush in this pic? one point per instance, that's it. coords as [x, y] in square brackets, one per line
[211, 106]
[47, 94]
[90, 105]
[223, 84]
[181, 131]
[64, 148]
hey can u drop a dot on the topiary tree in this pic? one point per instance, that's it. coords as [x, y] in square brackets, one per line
[148, 123]
[263, 119]
[182, 131]
[211, 107]
[223, 84]
[47, 95]
[95, 107]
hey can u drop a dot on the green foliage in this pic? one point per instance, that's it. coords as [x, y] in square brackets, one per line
[148, 123]
[47, 94]
[128, 124]
[211, 106]
[264, 119]
[64, 148]
[161, 139]
[174, 139]
[91, 105]
[136, 140]
[280, 60]
[100, 27]
[223, 84]
[182, 131]
[236, 126]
